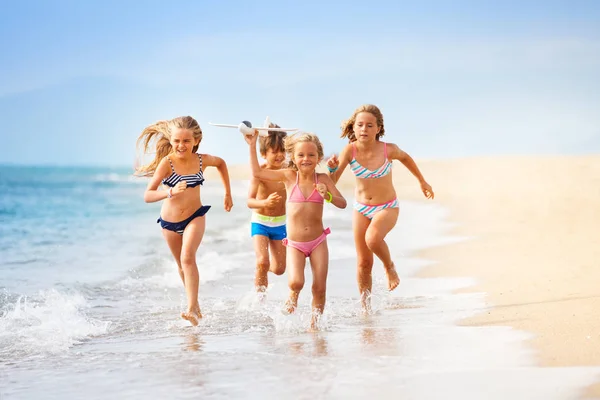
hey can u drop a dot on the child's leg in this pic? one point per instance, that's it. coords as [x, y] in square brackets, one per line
[174, 241]
[192, 237]
[296, 261]
[278, 256]
[261, 248]
[319, 261]
[381, 224]
[364, 258]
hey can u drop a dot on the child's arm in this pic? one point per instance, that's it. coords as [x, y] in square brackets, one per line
[152, 194]
[255, 203]
[221, 165]
[263, 173]
[329, 191]
[252, 201]
[395, 153]
[336, 165]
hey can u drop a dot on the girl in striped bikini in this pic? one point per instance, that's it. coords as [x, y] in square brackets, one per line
[376, 206]
[178, 166]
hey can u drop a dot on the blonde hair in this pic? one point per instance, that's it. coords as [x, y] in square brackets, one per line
[293, 140]
[348, 125]
[274, 141]
[160, 132]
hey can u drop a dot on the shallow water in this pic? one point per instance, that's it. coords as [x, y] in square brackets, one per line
[90, 301]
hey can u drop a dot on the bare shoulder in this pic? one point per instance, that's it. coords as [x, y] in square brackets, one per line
[394, 152]
[346, 151]
[208, 160]
[323, 178]
[164, 166]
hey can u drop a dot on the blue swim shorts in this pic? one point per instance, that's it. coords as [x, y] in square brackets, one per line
[271, 227]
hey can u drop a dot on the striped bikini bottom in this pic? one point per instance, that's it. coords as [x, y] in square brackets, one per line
[369, 210]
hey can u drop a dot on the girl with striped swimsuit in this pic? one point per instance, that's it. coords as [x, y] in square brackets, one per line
[376, 205]
[178, 167]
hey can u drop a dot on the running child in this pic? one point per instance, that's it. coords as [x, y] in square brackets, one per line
[177, 166]
[306, 237]
[376, 205]
[267, 200]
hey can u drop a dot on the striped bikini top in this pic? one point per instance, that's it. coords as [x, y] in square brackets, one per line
[192, 180]
[296, 195]
[364, 173]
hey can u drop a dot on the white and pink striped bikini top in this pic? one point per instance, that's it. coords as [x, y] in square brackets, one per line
[364, 173]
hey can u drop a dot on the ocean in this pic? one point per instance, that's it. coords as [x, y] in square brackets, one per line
[90, 301]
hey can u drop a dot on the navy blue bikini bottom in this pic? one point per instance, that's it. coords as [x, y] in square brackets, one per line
[179, 227]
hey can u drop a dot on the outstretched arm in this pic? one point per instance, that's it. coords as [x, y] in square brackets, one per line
[338, 164]
[221, 165]
[326, 188]
[395, 153]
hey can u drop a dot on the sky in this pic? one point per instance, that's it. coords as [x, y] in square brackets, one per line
[80, 80]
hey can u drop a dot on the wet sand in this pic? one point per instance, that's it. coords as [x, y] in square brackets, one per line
[533, 247]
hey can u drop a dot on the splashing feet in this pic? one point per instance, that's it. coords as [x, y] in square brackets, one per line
[192, 315]
[291, 303]
[392, 277]
[365, 301]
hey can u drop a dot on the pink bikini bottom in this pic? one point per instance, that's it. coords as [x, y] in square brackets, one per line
[307, 247]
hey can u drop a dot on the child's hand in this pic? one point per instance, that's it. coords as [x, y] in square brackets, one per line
[251, 139]
[179, 188]
[427, 191]
[228, 202]
[272, 200]
[322, 189]
[333, 162]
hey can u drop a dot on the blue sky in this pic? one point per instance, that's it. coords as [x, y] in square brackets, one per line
[80, 80]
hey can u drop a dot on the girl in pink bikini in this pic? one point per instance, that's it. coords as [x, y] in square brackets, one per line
[306, 237]
[376, 206]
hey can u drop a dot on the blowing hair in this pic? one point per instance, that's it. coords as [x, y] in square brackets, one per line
[293, 140]
[158, 135]
[348, 125]
[274, 141]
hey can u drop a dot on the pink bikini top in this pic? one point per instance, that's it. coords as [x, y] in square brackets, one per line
[296, 195]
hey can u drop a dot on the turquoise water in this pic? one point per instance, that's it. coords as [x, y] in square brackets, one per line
[90, 301]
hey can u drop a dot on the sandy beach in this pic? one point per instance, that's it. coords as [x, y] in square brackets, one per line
[532, 224]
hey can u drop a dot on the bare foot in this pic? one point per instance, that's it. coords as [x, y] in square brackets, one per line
[261, 289]
[289, 307]
[291, 303]
[314, 322]
[365, 302]
[392, 277]
[192, 316]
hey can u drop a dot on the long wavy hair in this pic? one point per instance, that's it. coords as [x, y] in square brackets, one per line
[158, 135]
[348, 125]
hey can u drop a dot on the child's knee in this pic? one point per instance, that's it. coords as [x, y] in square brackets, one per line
[187, 260]
[262, 263]
[296, 285]
[373, 240]
[278, 269]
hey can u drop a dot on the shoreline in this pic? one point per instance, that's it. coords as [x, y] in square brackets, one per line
[532, 248]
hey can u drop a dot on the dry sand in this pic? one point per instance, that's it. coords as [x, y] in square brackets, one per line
[535, 247]
[534, 224]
